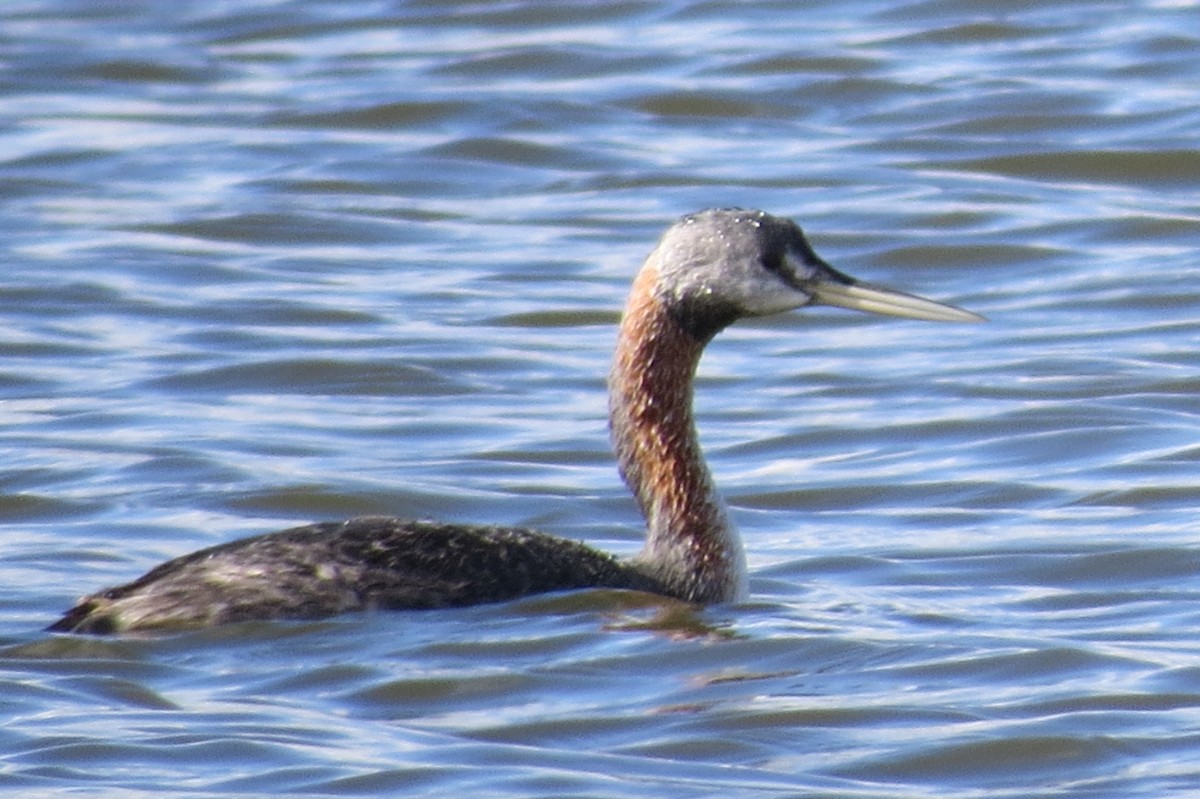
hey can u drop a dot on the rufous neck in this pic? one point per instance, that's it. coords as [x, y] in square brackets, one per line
[690, 544]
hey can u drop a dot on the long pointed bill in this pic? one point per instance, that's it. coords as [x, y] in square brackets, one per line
[889, 302]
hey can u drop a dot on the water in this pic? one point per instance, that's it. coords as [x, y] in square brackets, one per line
[272, 262]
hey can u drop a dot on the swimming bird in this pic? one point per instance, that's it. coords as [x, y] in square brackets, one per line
[708, 270]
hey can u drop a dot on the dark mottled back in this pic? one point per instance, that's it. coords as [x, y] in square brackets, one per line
[365, 563]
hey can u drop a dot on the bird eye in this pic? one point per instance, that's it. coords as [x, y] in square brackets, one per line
[772, 260]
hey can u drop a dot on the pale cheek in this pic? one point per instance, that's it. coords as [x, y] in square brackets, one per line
[775, 298]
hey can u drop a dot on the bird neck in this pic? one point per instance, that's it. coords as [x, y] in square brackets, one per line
[691, 547]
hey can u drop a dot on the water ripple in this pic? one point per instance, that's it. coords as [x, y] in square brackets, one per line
[269, 262]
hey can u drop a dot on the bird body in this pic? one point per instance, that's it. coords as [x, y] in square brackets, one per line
[708, 270]
[367, 563]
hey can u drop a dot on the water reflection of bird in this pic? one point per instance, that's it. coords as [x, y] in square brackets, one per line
[708, 270]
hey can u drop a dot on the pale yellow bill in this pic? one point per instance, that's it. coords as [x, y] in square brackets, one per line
[889, 302]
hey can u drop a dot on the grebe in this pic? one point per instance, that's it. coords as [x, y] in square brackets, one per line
[708, 270]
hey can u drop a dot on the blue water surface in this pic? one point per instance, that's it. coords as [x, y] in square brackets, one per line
[272, 262]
